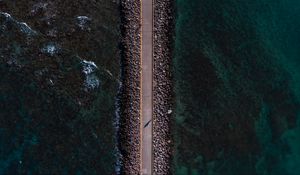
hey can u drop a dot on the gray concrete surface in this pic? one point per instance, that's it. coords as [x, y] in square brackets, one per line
[147, 71]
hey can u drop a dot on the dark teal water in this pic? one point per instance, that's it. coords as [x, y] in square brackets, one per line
[237, 74]
[59, 77]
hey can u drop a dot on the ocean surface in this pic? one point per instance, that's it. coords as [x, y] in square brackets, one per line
[59, 69]
[237, 87]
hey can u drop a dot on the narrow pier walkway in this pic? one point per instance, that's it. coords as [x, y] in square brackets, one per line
[147, 74]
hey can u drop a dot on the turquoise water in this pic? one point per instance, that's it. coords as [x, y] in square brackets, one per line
[237, 85]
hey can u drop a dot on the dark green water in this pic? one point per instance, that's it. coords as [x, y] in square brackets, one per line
[237, 73]
[59, 76]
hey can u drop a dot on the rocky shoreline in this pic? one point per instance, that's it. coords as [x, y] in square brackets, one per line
[162, 85]
[129, 131]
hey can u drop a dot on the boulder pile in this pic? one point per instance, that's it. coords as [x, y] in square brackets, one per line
[162, 85]
[129, 130]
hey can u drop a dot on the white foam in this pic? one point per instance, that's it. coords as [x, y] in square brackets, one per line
[5, 14]
[26, 29]
[91, 80]
[89, 67]
[51, 49]
[82, 22]
[22, 25]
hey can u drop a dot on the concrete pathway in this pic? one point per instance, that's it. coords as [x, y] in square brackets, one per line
[147, 71]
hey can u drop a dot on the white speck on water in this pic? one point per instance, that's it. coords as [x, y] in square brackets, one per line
[51, 82]
[82, 22]
[83, 18]
[109, 73]
[169, 111]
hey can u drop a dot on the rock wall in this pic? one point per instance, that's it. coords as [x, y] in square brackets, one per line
[130, 91]
[162, 85]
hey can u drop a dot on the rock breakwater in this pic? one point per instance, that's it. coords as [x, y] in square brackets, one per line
[129, 132]
[162, 85]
